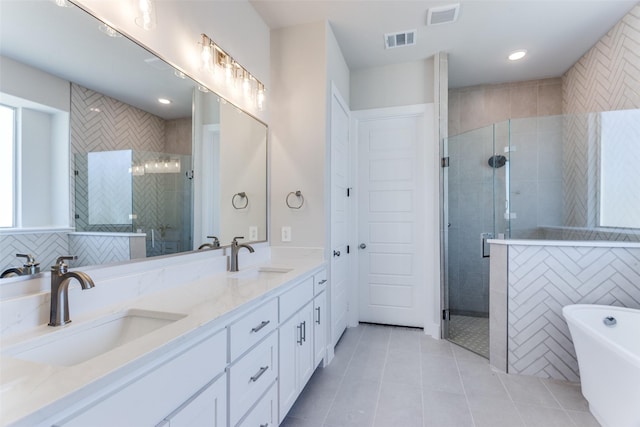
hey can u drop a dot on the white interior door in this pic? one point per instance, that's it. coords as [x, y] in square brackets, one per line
[340, 159]
[391, 217]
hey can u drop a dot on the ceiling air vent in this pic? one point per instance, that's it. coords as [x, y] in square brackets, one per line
[405, 38]
[443, 14]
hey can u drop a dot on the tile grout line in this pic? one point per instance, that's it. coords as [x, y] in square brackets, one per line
[544, 383]
[464, 390]
[510, 397]
[342, 377]
[386, 358]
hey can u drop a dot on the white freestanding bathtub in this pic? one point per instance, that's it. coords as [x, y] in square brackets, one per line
[607, 343]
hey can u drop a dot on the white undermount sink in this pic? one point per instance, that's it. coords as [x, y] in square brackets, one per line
[261, 272]
[76, 343]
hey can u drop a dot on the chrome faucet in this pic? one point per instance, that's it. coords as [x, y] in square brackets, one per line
[235, 247]
[60, 278]
[214, 245]
[30, 267]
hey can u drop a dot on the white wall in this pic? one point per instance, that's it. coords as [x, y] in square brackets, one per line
[394, 85]
[233, 25]
[304, 61]
[298, 135]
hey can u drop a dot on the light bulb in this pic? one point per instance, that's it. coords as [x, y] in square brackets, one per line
[246, 83]
[260, 97]
[206, 55]
[146, 14]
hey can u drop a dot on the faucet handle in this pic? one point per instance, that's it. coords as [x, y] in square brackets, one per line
[216, 241]
[60, 265]
[30, 259]
[235, 239]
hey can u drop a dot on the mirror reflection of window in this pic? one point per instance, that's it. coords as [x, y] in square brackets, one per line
[619, 171]
[7, 164]
[109, 187]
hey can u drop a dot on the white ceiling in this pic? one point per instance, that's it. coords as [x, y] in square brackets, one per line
[556, 33]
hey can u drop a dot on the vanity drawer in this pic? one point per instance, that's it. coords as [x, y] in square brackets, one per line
[256, 325]
[320, 282]
[292, 300]
[265, 413]
[155, 393]
[251, 376]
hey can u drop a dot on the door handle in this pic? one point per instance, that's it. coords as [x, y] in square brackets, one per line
[336, 253]
[304, 331]
[363, 246]
[318, 310]
[299, 340]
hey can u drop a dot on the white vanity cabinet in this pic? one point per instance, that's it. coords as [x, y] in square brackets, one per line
[265, 413]
[148, 396]
[319, 327]
[296, 343]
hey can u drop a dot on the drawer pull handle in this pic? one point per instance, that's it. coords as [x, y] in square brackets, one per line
[299, 334]
[261, 325]
[318, 310]
[304, 331]
[257, 376]
[265, 425]
[322, 282]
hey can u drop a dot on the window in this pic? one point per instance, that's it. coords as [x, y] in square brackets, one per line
[619, 169]
[7, 165]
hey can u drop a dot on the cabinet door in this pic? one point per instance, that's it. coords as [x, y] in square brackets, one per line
[290, 338]
[265, 413]
[208, 408]
[305, 354]
[319, 327]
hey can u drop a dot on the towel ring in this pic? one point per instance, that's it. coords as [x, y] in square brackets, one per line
[242, 195]
[300, 197]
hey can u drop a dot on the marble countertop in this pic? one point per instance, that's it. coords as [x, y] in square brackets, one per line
[32, 392]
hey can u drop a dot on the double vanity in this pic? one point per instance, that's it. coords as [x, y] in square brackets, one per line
[168, 342]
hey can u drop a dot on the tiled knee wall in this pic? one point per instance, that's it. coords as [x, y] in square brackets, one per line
[543, 279]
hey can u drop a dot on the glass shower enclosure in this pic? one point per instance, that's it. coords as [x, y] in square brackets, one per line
[476, 200]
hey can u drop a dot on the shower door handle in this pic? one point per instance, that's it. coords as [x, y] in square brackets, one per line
[484, 245]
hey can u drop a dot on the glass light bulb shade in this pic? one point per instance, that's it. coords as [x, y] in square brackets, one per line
[146, 14]
[260, 98]
[206, 57]
[108, 30]
[62, 3]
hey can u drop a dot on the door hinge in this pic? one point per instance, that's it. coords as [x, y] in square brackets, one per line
[444, 162]
[446, 315]
[189, 174]
[348, 191]
[348, 249]
[76, 173]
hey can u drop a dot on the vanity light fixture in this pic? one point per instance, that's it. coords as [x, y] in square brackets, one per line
[518, 54]
[216, 61]
[146, 11]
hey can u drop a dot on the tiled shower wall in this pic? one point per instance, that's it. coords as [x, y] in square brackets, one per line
[101, 123]
[536, 134]
[543, 279]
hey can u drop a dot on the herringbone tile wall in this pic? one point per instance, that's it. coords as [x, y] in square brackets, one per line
[543, 279]
[45, 247]
[93, 250]
[606, 77]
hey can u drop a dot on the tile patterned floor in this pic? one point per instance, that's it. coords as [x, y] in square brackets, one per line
[471, 333]
[386, 376]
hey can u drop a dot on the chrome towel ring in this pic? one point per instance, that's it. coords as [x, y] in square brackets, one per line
[243, 196]
[300, 199]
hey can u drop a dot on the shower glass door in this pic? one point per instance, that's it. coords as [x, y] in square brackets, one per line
[475, 209]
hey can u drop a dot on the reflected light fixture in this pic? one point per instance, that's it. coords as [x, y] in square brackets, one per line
[518, 54]
[61, 3]
[164, 101]
[146, 14]
[104, 28]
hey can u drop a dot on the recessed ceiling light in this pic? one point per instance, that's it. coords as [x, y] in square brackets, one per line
[518, 54]
[164, 101]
